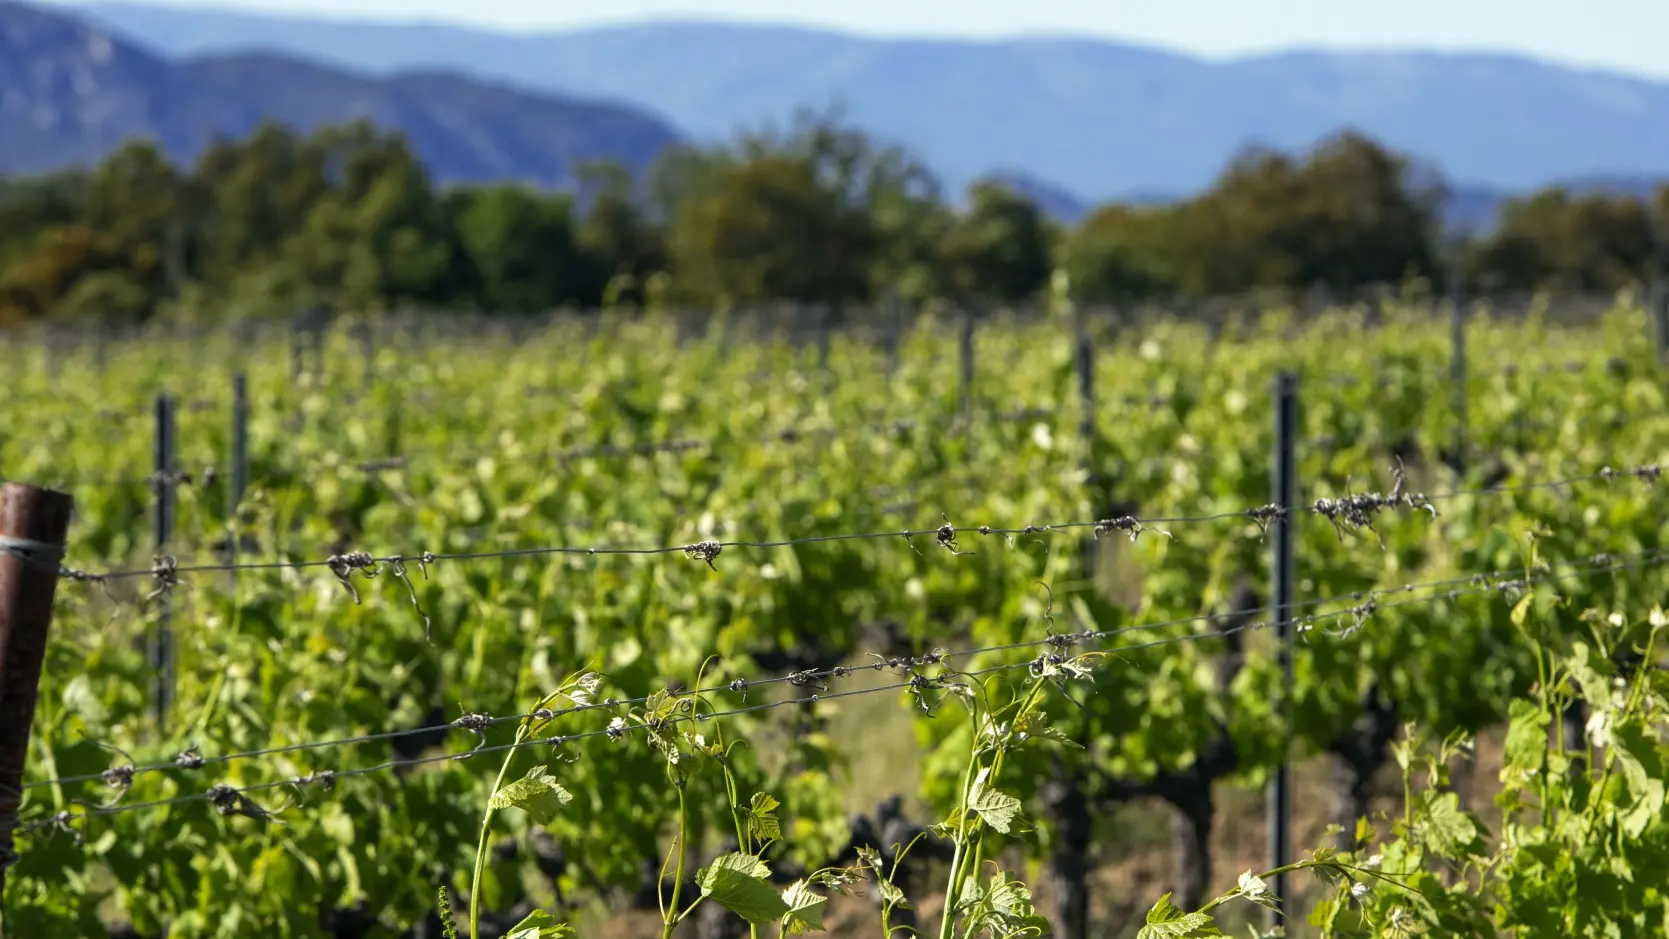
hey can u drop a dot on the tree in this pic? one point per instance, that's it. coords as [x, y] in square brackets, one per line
[865, 217]
[1119, 252]
[620, 243]
[376, 238]
[1556, 239]
[999, 249]
[249, 196]
[771, 230]
[1350, 213]
[521, 247]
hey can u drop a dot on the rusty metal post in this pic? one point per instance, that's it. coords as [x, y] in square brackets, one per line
[33, 523]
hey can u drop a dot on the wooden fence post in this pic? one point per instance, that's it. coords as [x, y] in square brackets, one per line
[33, 523]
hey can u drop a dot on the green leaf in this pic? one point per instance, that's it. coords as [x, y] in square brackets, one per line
[540, 925]
[763, 824]
[1637, 757]
[1446, 828]
[1166, 921]
[1252, 885]
[1035, 724]
[997, 808]
[537, 794]
[892, 895]
[1526, 742]
[805, 909]
[738, 883]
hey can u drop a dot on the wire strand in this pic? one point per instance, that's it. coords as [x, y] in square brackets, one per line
[232, 800]
[1352, 510]
[1363, 603]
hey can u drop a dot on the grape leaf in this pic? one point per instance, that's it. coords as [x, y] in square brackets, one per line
[738, 883]
[540, 925]
[805, 909]
[537, 794]
[997, 808]
[1166, 921]
[763, 824]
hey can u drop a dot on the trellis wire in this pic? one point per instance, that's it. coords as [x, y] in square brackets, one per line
[1348, 510]
[1363, 605]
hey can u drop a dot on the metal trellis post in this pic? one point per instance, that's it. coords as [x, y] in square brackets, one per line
[1282, 573]
[1084, 359]
[33, 523]
[1660, 317]
[368, 350]
[240, 465]
[967, 360]
[824, 324]
[892, 316]
[164, 482]
[1457, 369]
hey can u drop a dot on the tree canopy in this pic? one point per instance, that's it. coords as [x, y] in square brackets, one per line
[348, 219]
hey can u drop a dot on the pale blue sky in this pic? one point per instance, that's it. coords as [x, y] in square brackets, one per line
[1625, 35]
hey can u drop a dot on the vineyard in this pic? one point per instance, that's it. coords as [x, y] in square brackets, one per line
[640, 624]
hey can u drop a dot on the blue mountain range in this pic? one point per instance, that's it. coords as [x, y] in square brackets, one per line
[1077, 120]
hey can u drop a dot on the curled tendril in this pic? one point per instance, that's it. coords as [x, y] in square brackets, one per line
[808, 678]
[165, 479]
[1126, 523]
[343, 565]
[1359, 616]
[704, 551]
[945, 536]
[397, 567]
[165, 573]
[1357, 510]
[477, 724]
[920, 685]
[118, 778]
[229, 800]
[324, 779]
[58, 823]
[1650, 473]
[1264, 514]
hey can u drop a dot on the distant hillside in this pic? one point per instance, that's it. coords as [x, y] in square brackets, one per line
[1098, 119]
[71, 91]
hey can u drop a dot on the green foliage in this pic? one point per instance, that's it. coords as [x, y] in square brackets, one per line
[1576, 242]
[540, 925]
[999, 249]
[286, 657]
[1583, 846]
[347, 219]
[1165, 921]
[521, 245]
[538, 794]
[740, 883]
